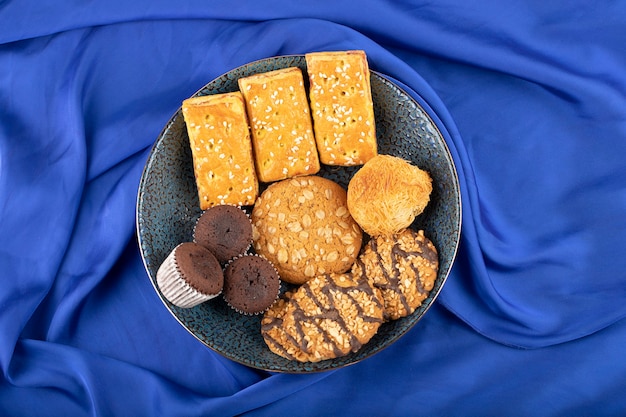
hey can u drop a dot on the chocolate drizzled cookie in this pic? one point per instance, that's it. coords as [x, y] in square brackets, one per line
[325, 318]
[403, 266]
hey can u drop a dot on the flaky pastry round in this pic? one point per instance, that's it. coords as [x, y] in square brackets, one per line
[387, 193]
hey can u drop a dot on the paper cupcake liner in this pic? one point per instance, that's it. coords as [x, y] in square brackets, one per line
[175, 288]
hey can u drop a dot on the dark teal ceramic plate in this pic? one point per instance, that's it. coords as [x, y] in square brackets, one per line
[167, 209]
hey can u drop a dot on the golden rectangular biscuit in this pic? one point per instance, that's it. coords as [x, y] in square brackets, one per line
[219, 137]
[280, 121]
[342, 107]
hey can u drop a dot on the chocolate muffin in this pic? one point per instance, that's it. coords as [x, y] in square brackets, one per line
[251, 284]
[190, 275]
[225, 230]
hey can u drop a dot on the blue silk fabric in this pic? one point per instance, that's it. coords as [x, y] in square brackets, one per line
[531, 98]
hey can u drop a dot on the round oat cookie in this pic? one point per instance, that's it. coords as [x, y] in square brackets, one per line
[327, 317]
[302, 225]
[403, 266]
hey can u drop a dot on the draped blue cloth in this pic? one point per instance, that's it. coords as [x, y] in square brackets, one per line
[531, 98]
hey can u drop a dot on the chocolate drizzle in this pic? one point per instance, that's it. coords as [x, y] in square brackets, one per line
[392, 281]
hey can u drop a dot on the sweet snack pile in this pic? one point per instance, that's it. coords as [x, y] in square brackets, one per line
[387, 193]
[198, 271]
[271, 129]
[335, 314]
[303, 229]
[303, 226]
[220, 147]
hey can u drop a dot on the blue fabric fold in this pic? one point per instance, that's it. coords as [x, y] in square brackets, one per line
[531, 100]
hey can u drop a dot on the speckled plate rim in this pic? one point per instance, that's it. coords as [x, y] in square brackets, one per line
[352, 358]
